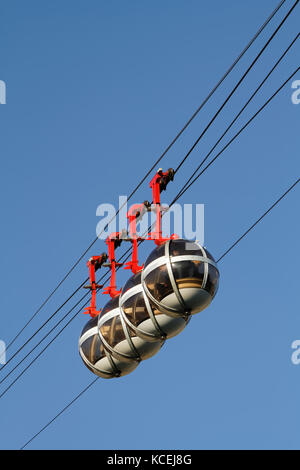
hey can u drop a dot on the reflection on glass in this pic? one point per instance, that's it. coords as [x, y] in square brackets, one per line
[188, 273]
[113, 332]
[212, 282]
[111, 305]
[135, 309]
[158, 252]
[92, 347]
[158, 283]
[184, 247]
[132, 282]
[89, 325]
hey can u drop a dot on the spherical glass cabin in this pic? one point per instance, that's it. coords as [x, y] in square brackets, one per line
[121, 341]
[180, 277]
[143, 317]
[96, 358]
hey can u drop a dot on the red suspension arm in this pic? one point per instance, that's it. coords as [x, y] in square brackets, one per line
[113, 241]
[93, 264]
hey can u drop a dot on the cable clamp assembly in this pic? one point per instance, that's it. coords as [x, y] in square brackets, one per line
[113, 241]
[135, 214]
[158, 184]
[94, 263]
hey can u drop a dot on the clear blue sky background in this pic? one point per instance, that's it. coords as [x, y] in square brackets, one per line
[95, 92]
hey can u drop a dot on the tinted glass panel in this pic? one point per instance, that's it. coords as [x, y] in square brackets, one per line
[113, 332]
[155, 309]
[158, 252]
[111, 305]
[132, 282]
[212, 282]
[184, 247]
[93, 349]
[158, 283]
[188, 273]
[135, 309]
[89, 325]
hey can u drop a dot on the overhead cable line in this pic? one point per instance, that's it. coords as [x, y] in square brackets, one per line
[51, 341]
[181, 192]
[187, 186]
[236, 86]
[221, 257]
[243, 108]
[214, 89]
[258, 220]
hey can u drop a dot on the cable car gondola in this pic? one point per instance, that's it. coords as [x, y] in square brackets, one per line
[180, 277]
[97, 359]
[120, 340]
[143, 317]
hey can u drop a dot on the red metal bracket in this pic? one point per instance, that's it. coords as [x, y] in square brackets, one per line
[113, 241]
[159, 184]
[135, 213]
[94, 264]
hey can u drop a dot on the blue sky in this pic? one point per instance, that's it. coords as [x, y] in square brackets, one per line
[95, 91]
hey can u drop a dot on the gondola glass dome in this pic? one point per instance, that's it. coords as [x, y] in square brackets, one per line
[143, 317]
[180, 278]
[96, 358]
[119, 339]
